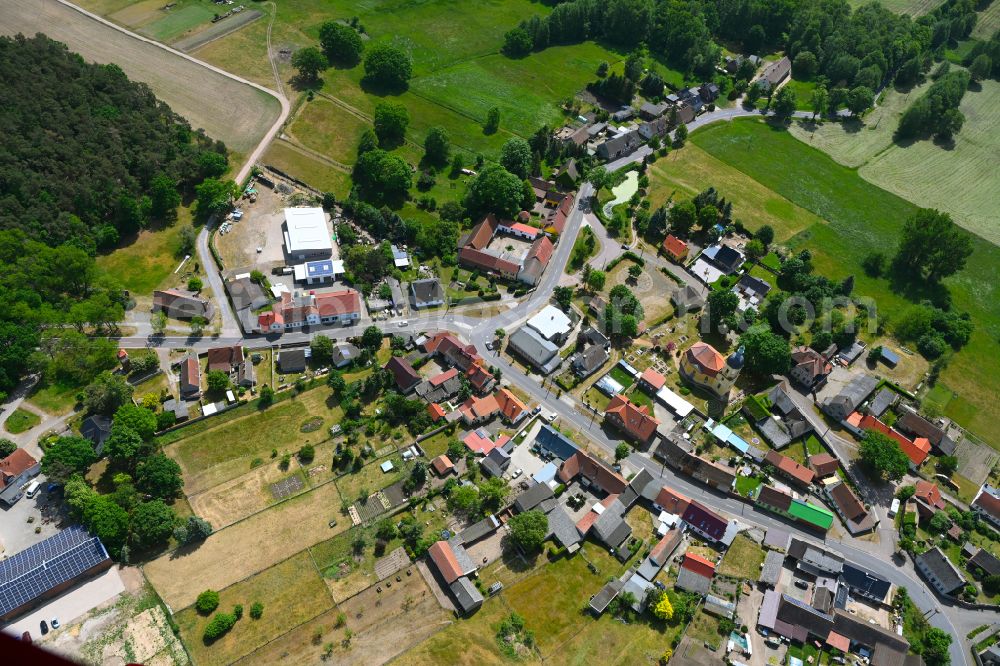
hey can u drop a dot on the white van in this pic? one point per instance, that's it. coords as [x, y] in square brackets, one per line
[32, 489]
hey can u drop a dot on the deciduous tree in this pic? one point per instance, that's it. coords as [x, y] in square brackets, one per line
[528, 529]
[341, 43]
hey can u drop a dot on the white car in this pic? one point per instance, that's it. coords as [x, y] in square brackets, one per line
[55, 623]
[517, 473]
[403, 324]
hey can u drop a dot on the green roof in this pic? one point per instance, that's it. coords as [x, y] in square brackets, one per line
[756, 408]
[812, 514]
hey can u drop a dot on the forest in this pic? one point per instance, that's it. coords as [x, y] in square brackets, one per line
[89, 156]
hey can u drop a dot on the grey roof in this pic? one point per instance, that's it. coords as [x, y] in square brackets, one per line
[822, 599]
[96, 428]
[868, 634]
[756, 285]
[491, 468]
[770, 573]
[292, 360]
[466, 594]
[776, 538]
[687, 298]
[38, 569]
[562, 528]
[535, 349]
[178, 407]
[461, 555]
[621, 144]
[692, 581]
[246, 294]
[427, 292]
[643, 480]
[986, 561]
[941, 568]
[477, 531]
[780, 400]
[854, 393]
[864, 582]
[345, 353]
[594, 337]
[719, 606]
[589, 360]
[814, 559]
[532, 497]
[803, 619]
[638, 587]
[882, 401]
[610, 527]
[606, 595]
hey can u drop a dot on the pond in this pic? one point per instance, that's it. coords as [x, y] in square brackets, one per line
[623, 191]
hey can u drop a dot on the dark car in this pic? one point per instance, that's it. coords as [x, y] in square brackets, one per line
[43, 625]
[801, 584]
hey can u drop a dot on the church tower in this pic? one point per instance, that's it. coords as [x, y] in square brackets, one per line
[732, 370]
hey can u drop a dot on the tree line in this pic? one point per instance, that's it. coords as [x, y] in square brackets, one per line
[88, 155]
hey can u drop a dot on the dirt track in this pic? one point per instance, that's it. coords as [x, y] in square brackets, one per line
[226, 109]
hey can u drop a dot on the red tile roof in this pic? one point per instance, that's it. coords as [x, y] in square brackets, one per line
[835, 640]
[790, 468]
[436, 411]
[526, 229]
[706, 357]
[698, 564]
[675, 247]
[848, 503]
[988, 503]
[635, 420]
[811, 361]
[542, 250]
[476, 408]
[402, 372]
[824, 464]
[444, 559]
[653, 378]
[224, 358]
[604, 477]
[510, 406]
[482, 233]
[487, 261]
[672, 501]
[432, 344]
[916, 450]
[346, 301]
[930, 494]
[442, 465]
[478, 376]
[442, 377]
[14, 465]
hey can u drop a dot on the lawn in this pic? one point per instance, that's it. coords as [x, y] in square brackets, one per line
[704, 629]
[743, 559]
[839, 195]
[909, 7]
[222, 447]
[55, 399]
[291, 591]
[640, 397]
[21, 420]
[144, 262]
[329, 129]
[803, 93]
[370, 478]
[621, 376]
[686, 172]
[296, 163]
[747, 484]
[248, 547]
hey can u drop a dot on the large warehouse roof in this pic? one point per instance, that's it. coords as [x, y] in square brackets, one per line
[31, 573]
[307, 230]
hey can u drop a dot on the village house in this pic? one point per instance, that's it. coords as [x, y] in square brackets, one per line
[15, 471]
[633, 420]
[190, 378]
[809, 367]
[775, 73]
[928, 499]
[853, 512]
[793, 471]
[335, 307]
[403, 374]
[620, 145]
[427, 293]
[824, 465]
[181, 304]
[842, 405]
[675, 248]
[986, 504]
[939, 571]
[695, 573]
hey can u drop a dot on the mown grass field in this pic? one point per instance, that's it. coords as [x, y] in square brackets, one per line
[860, 217]
[299, 164]
[248, 547]
[909, 7]
[228, 110]
[328, 128]
[686, 172]
[291, 592]
[21, 420]
[988, 23]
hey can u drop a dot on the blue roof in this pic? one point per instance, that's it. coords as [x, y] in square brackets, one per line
[323, 268]
[546, 473]
[556, 443]
[29, 574]
[738, 443]
[890, 356]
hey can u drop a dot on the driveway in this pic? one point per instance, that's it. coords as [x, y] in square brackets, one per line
[70, 605]
[47, 513]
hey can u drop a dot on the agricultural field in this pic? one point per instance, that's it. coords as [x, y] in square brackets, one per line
[292, 592]
[324, 126]
[686, 172]
[227, 556]
[912, 8]
[308, 168]
[228, 110]
[848, 203]
[989, 21]
[957, 179]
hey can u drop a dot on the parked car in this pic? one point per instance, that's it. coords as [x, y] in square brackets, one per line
[55, 623]
[517, 472]
[801, 584]
[44, 627]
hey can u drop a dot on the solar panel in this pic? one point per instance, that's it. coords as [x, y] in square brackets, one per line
[35, 570]
[319, 268]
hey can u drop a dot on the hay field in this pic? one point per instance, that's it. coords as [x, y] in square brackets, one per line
[962, 180]
[329, 129]
[912, 8]
[852, 142]
[299, 164]
[686, 172]
[226, 109]
[989, 21]
[292, 592]
[248, 547]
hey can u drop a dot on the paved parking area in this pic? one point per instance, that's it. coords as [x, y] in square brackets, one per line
[70, 605]
[523, 458]
[17, 533]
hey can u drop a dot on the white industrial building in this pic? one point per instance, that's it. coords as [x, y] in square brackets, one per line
[307, 234]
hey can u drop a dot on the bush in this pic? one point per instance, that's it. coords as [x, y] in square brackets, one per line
[307, 453]
[207, 602]
[256, 610]
[238, 611]
[218, 626]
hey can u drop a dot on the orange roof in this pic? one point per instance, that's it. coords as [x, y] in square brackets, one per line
[15, 464]
[706, 357]
[444, 559]
[442, 464]
[596, 471]
[929, 493]
[510, 406]
[436, 411]
[698, 564]
[672, 501]
[542, 250]
[482, 233]
[441, 378]
[341, 302]
[527, 229]
[790, 468]
[636, 421]
[675, 247]
[478, 375]
[916, 450]
[122, 353]
[835, 640]
[653, 378]
[481, 407]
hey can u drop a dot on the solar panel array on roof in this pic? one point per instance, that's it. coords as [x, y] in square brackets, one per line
[319, 268]
[31, 573]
